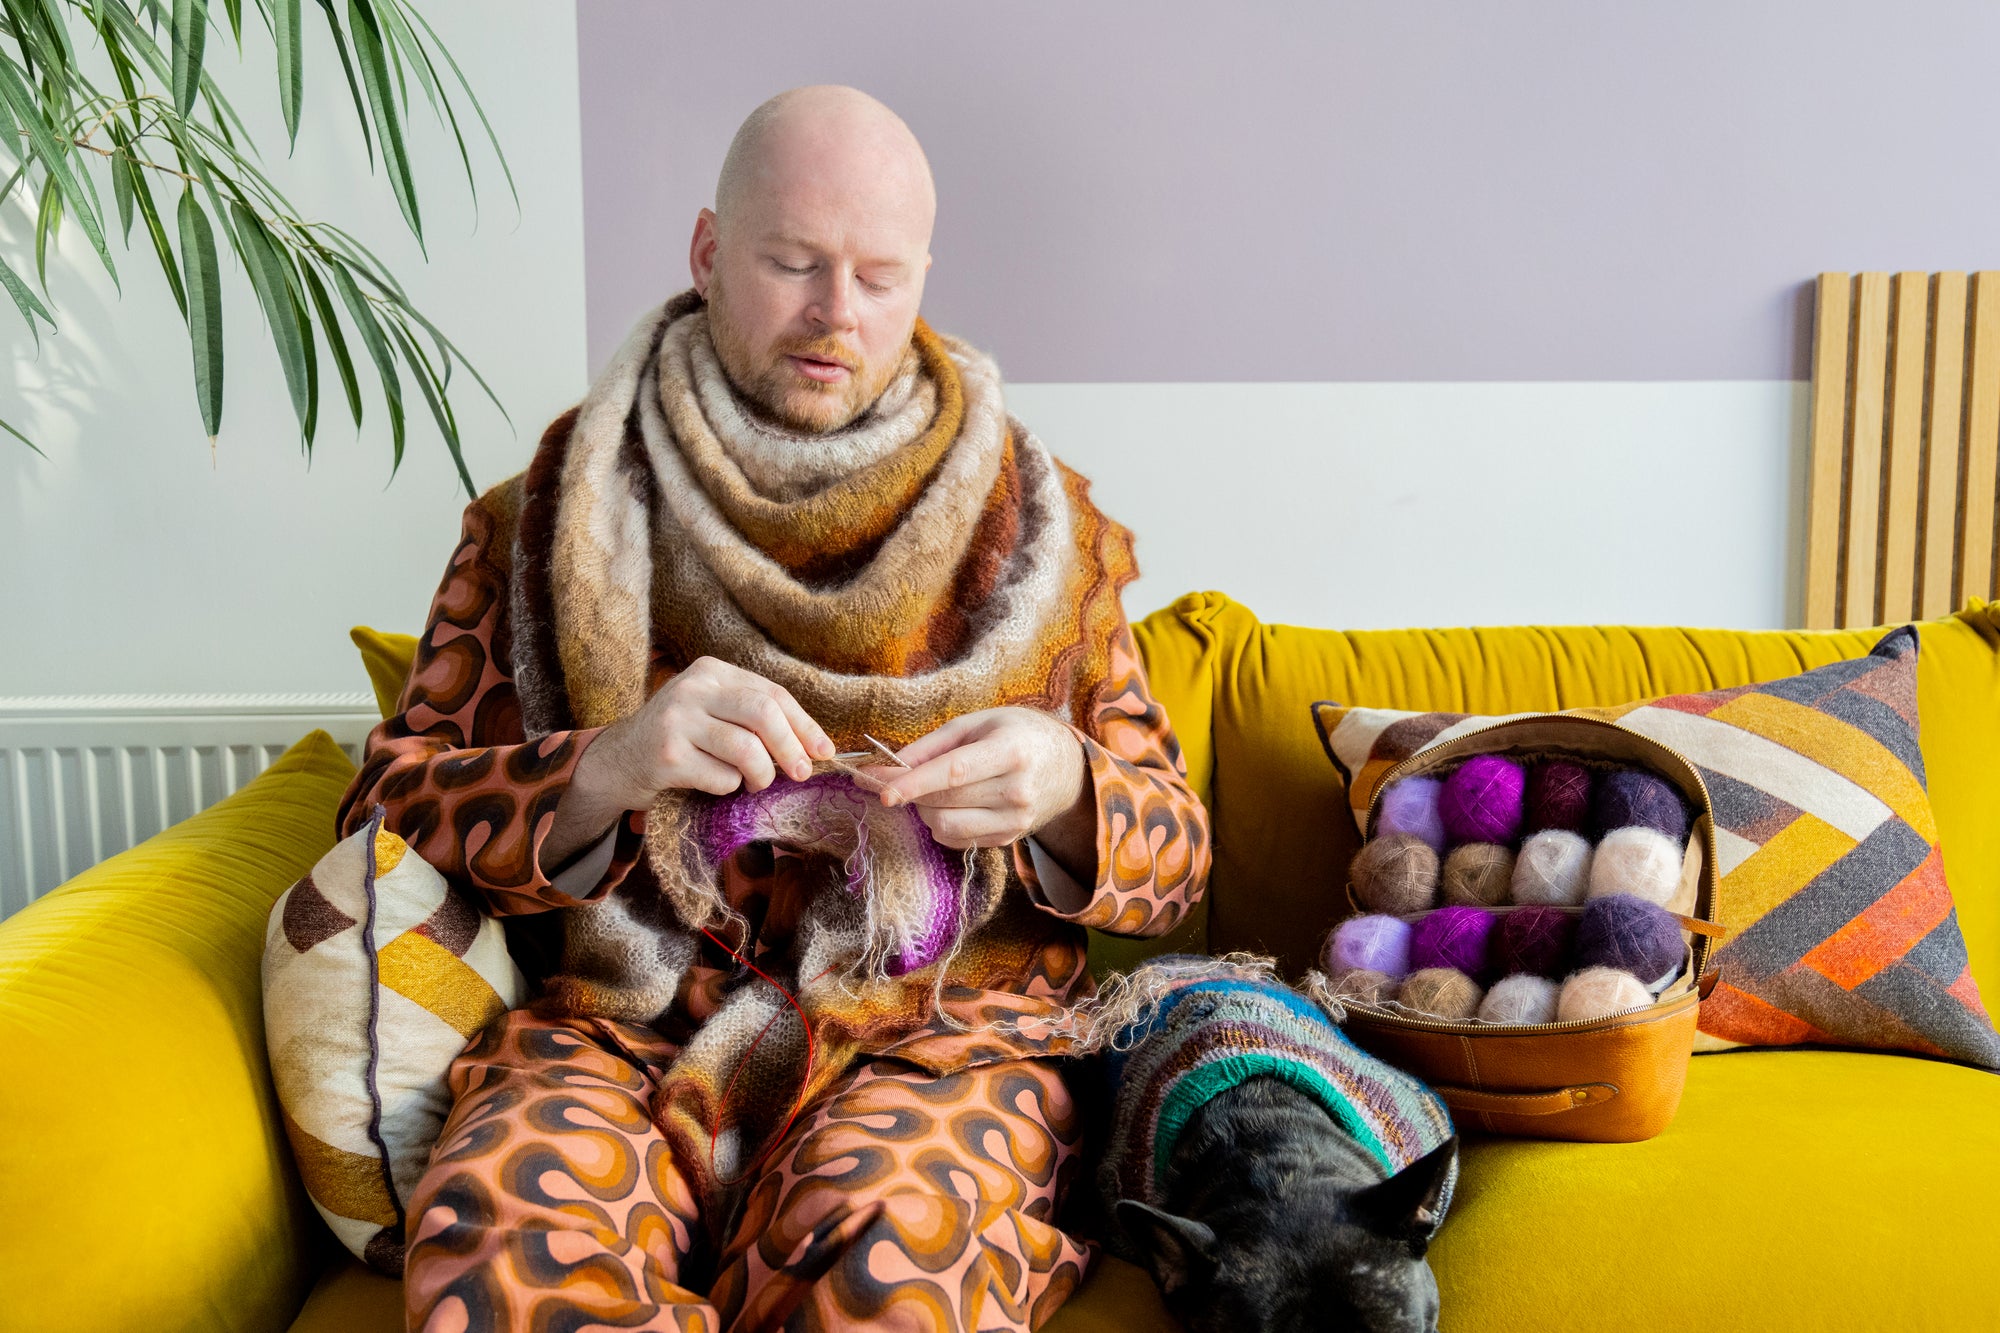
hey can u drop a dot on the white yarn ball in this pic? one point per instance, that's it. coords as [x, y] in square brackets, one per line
[1553, 869]
[1520, 998]
[1599, 992]
[1640, 861]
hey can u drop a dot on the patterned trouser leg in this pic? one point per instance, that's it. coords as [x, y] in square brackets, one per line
[899, 1201]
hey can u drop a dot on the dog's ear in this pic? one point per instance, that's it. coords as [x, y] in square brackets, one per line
[1179, 1250]
[1409, 1205]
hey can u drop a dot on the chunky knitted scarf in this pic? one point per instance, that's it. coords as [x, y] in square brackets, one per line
[1204, 1026]
[929, 560]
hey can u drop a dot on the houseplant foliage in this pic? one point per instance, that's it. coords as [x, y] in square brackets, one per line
[111, 97]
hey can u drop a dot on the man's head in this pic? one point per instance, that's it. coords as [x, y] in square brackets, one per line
[813, 258]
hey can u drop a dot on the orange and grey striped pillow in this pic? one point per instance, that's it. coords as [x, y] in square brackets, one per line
[1842, 930]
[376, 975]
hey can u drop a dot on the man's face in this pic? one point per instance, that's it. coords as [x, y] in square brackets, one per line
[813, 283]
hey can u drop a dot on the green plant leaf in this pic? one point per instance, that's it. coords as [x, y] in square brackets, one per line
[353, 85]
[266, 268]
[54, 157]
[329, 320]
[381, 104]
[310, 426]
[234, 9]
[24, 297]
[121, 186]
[48, 226]
[142, 195]
[285, 31]
[190, 35]
[440, 406]
[204, 289]
[480, 111]
[9, 428]
[372, 338]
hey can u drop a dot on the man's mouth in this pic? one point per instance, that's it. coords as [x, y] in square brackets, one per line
[817, 368]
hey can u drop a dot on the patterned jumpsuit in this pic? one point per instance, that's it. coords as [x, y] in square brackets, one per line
[919, 1193]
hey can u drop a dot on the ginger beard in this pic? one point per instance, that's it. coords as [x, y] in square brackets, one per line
[768, 380]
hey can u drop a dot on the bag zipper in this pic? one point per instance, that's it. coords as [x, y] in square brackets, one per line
[1515, 1029]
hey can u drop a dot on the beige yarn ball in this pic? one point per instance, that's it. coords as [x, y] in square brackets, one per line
[1599, 992]
[1553, 869]
[1640, 861]
[1362, 986]
[1397, 874]
[1477, 874]
[1520, 998]
[1441, 992]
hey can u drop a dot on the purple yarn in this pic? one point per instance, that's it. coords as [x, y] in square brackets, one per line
[1540, 940]
[1630, 934]
[1634, 798]
[1558, 796]
[1375, 943]
[1411, 806]
[1481, 802]
[1459, 937]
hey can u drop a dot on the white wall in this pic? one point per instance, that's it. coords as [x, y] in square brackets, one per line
[129, 563]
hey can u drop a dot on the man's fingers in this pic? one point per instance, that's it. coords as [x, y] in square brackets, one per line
[742, 750]
[812, 738]
[961, 729]
[701, 771]
[758, 712]
[961, 828]
[960, 767]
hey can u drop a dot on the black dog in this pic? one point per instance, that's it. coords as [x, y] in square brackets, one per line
[1271, 1214]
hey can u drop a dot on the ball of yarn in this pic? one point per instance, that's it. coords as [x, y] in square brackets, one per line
[1362, 986]
[1521, 998]
[1540, 940]
[1441, 992]
[1599, 992]
[1640, 861]
[1634, 798]
[1481, 802]
[1372, 943]
[1630, 934]
[1553, 868]
[1411, 806]
[1476, 874]
[1558, 796]
[1395, 873]
[1455, 937]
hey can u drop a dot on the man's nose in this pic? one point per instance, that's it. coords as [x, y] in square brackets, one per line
[835, 306]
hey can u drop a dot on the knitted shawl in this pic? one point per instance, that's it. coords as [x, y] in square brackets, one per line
[1208, 1027]
[929, 560]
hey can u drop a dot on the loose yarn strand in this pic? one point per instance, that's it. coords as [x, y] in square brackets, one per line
[798, 1103]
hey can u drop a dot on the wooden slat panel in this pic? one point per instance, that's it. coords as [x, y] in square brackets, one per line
[1943, 445]
[1863, 542]
[1824, 494]
[1982, 444]
[1905, 446]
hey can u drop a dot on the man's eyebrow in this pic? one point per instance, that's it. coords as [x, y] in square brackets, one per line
[799, 243]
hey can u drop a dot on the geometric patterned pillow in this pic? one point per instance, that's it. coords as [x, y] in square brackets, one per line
[377, 973]
[1842, 930]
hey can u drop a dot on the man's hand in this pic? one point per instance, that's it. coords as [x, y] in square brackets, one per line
[990, 778]
[714, 727]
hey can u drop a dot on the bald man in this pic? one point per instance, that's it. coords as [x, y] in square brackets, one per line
[785, 710]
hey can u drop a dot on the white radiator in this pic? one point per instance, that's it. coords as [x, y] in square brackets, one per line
[84, 777]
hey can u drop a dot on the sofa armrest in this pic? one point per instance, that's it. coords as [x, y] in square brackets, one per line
[144, 1170]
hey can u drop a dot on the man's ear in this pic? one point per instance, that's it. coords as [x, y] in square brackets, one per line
[701, 251]
[1179, 1250]
[1409, 1205]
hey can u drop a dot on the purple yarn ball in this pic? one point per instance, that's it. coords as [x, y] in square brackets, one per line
[1629, 934]
[1540, 940]
[1482, 801]
[1633, 798]
[1411, 806]
[1558, 796]
[1455, 937]
[1372, 943]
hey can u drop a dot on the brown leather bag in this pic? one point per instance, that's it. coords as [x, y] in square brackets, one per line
[1606, 1080]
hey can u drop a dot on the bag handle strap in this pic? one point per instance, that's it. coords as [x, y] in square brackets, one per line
[1464, 1101]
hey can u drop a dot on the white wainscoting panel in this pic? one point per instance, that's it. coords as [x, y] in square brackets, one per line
[83, 777]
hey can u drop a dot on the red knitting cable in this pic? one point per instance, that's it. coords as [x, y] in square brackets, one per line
[715, 1130]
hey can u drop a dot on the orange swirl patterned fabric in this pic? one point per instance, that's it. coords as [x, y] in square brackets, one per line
[525, 658]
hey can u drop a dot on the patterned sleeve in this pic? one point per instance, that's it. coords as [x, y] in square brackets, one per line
[1152, 831]
[454, 770]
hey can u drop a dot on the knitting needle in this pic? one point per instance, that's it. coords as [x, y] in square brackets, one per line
[893, 757]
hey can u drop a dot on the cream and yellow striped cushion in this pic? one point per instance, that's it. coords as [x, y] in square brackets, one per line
[376, 974]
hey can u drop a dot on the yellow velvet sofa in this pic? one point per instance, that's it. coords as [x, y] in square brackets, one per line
[145, 1182]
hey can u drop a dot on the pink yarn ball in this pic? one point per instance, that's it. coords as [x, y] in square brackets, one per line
[1482, 800]
[1372, 943]
[1460, 938]
[1411, 807]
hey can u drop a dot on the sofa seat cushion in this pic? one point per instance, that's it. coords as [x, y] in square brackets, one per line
[1795, 1190]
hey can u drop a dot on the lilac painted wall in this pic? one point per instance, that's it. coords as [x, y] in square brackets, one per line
[1389, 190]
